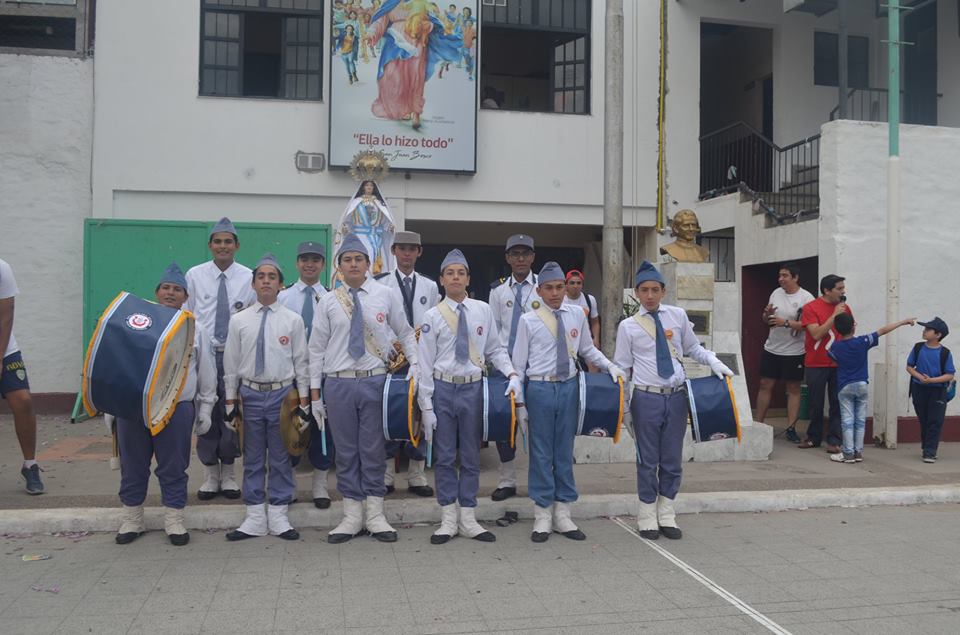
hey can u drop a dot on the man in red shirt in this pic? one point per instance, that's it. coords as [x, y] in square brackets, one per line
[821, 370]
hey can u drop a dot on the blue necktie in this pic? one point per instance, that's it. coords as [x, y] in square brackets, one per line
[306, 311]
[462, 349]
[515, 319]
[355, 345]
[261, 353]
[563, 366]
[664, 361]
[222, 319]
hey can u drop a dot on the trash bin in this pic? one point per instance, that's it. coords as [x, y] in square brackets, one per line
[804, 403]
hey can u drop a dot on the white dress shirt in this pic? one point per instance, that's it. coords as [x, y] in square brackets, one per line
[292, 296]
[437, 346]
[202, 376]
[535, 349]
[503, 297]
[329, 339]
[285, 349]
[8, 289]
[426, 295]
[203, 285]
[637, 350]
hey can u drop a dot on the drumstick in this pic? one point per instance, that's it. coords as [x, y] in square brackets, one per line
[323, 440]
[115, 459]
[429, 453]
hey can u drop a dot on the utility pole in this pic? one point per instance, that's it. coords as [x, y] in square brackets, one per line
[892, 358]
[612, 291]
[843, 80]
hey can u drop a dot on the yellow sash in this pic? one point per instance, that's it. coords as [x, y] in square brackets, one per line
[650, 327]
[369, 340]
[550, 321]
[452, 321]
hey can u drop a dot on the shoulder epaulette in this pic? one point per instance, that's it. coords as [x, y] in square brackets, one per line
[497, 283]
[381, 275]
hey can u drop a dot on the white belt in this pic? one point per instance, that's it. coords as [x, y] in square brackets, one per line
[357, 374]
[266, 386]
[218, 348]
[457, 379]
[550, 377]
[661, 390]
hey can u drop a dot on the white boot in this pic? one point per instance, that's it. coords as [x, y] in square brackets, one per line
[279, 524]
[563, 524]
[228, 484]
[508, 474]
[351, 525]
[448, 525]
[667, 518]
[376, 523]
[389, 475]
[647, 520]
[131, 524]
[211, 482]
[254, 524]
[470, 528]
[321, 497]
[415, 475]
[173, 525]
[542, 523]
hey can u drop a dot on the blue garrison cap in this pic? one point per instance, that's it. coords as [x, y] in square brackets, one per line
[351, 243]
[455, 257]
[173, 274]
[269, 259]
[551, 272]
[224, 225]
[647, 272]
[311, 247]
[519, 240]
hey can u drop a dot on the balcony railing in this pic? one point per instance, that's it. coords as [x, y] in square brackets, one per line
[867, 104]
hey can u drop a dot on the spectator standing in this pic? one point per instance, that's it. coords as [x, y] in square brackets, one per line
[931, 369]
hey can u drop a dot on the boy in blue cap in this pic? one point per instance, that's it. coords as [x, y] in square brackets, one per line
[930, 365]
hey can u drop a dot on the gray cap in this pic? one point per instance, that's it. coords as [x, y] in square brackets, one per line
[269, 259]
[551, 272]
[406, 238]
[224, 225]
[519, 240]
[351, 243]
[173, 274]
[310, 247]
[454, 257]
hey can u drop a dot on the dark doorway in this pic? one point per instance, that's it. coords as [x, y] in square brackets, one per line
[920, 66]
[756, 285]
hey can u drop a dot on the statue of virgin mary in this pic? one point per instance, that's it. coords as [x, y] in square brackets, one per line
[368, 216]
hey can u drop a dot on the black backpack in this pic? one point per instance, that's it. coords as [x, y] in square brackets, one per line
[944, 354]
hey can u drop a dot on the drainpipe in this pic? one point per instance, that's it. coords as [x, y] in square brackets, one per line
[612, 296]
[843, 79]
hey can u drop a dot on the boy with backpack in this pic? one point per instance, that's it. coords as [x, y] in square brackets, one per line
[931, 369]
[850, 354]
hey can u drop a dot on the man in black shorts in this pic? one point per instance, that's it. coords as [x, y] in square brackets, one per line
[782, 357]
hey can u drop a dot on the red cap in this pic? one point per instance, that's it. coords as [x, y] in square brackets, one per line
[575, 272]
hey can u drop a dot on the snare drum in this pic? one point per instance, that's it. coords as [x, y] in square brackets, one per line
[499, 411]
[601, 406]
[401, 414]
[713, 409]
[137, 361]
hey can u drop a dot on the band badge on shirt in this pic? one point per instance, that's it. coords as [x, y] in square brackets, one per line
[668, 333]
[284, 340]
[479, 330]
[535, 305]
[138, 321]
[425, 328]
[574, 333]
[381, 317]
[423, 299]
[509, 304]
[237, 305]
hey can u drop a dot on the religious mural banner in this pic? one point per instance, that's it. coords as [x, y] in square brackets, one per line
[403, 81]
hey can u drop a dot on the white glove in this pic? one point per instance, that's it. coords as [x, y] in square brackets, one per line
[229, 410]
[516, 387]
[616, 373]
[109, 420]
[413, 373]
[204, 420]
[720, 369]
[522, 419]
[318, 410]
[428, 419]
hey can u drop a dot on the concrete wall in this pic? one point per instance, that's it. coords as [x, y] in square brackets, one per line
[46, 128]
[162, 149]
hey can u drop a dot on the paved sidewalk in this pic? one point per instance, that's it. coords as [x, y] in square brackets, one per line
[75, 459]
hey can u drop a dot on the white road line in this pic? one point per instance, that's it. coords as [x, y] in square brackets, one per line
[744, 608]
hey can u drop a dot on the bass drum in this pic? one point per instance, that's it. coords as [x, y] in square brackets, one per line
[499, 411]
[601, 406]
[713, 409]
[401, 414]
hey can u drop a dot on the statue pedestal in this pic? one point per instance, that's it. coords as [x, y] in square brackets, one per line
[691, 286]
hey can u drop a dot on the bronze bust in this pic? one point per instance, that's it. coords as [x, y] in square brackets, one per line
[685, 248]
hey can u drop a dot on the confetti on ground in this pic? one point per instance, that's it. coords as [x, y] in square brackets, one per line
[75, 536]
[39, 589]
[9, 535]
[33, 557]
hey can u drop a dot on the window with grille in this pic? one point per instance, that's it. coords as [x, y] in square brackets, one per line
[261, 48]
[536, 55]
[47, 27]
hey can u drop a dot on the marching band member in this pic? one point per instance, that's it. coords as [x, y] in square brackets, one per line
[172, 444]
[350, 344]
[548, 340]
[509, 300]
[419, 293]
[457, 339]
[652, 343]
[265, 354]
[216, 290]
[302, 297]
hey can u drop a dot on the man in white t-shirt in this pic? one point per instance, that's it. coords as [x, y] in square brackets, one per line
[14, 385]
[782, 357]
[585, 301]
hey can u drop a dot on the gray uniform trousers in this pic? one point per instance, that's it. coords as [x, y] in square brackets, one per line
[659, 421]
[262, 441]
[459, 410]
[219, 444]
[355, 410]
[172, 449]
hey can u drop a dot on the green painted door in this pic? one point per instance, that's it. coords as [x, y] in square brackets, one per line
[130, 255]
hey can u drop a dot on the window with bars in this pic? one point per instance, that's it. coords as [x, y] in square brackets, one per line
[536, 55]
[261, 48]
[47, 27]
